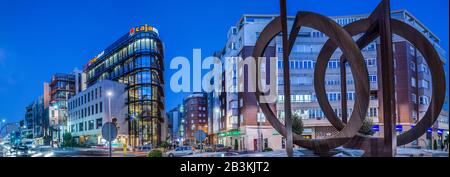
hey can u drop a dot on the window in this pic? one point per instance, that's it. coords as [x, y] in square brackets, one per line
[280, 98]
[306, 64]
[413, 82]
[373, 78]
[334, 82]
[373, 112]
[424, 84]
[292, 64]
[423, 68]
[301, 98]
[424, 100]
[333, 64]
[370, 47]
[234, 119]
[315, 113]
[101, 107]
[371, 62]
[261, 118]
[412, 65]
[91, 125]
[414, 98]
[414, 114]
[334, 96]
[280, 64]
[350, 96]
[80, 127]
[266, 143]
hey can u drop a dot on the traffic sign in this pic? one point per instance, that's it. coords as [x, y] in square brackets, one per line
[200, 135]
[109, 131]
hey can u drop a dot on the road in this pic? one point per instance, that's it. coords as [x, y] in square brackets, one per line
[71, 152]
[93, 152]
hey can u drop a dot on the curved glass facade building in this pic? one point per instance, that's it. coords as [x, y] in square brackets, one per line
[136, 59]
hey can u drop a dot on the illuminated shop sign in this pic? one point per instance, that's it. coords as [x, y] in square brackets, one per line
[144, 28]
[440, 131]
[376, 128]
[307, 130]
[95, 58]
[230, 133]
[399, 128]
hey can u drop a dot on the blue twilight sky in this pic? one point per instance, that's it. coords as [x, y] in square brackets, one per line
[40, 38]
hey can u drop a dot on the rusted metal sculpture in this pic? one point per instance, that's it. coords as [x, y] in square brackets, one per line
[379, 24]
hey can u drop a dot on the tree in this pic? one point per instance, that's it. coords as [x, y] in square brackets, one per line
[164, 145]
[297, 124]
[68, 140]
[366, 128]
[435, 145]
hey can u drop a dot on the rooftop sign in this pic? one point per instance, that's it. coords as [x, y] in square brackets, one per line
[144, 28]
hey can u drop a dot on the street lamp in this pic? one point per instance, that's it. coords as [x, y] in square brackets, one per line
[1, 126]
[109, 94]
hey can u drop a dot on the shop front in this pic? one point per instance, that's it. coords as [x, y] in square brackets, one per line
[230, 139]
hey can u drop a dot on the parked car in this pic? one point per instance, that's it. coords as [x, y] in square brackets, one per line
[220, 148]
[180, 151]
[209, 148]
[145, 148]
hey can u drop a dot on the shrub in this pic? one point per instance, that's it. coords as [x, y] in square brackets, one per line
[155, 153]
[268, 150]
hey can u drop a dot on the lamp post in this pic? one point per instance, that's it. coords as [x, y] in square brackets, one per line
[59, 135]
[109, 94]
[1, 126]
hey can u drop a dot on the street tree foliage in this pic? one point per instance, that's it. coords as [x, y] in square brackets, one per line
[297, 124]
[68, 140]
[366, 128]
[164, 145]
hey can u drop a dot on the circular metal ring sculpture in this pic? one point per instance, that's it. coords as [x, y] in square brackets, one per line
[341, 37]
[423, 46]
[350, 49]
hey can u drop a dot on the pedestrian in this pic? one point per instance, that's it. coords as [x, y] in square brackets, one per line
[446, 144]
